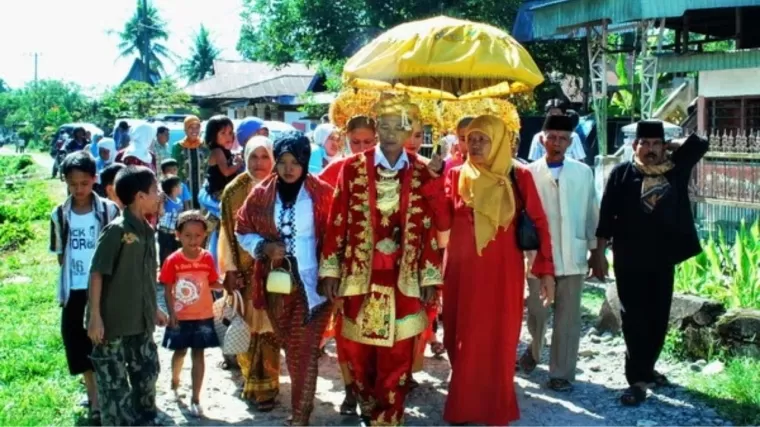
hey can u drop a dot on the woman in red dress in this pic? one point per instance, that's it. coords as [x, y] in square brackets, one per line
[484, 275]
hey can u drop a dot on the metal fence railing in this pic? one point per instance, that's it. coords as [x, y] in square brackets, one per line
[726, 183]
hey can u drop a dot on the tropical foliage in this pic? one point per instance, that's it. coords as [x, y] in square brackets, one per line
[727, 273]
[139, 99]
[39, 108]
[200, 64]
[141, 28]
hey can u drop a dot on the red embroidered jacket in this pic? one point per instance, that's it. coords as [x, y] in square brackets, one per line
[349, 244]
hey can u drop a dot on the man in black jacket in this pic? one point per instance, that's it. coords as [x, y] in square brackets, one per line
[646, 213]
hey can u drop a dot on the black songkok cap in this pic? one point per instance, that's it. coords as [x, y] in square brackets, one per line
[650, 129]
[562, 123]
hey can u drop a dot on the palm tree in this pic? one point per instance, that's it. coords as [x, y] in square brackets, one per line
[143, 27]
[200, 64]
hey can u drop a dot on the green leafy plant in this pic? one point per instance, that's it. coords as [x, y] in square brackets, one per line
[727, 273]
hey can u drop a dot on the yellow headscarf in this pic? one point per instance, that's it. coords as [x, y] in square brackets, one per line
[188, 142]
[487, 188]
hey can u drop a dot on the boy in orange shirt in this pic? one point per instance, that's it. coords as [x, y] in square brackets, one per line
[189, 274]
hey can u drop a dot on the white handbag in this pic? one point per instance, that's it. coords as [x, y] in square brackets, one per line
[237, 339]
[222, 310]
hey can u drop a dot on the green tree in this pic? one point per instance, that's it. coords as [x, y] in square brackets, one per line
[4, 86]
[132, 39]
[200, 64]
[39, 108]
[140, 99]
[329, 31]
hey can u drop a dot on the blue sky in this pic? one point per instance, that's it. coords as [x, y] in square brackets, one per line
[73, 40]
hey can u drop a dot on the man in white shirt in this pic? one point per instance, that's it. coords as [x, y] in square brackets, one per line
[555, 107]
[567, 192]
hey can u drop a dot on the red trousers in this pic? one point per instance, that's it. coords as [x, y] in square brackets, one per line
[301, 341]
[381, 378]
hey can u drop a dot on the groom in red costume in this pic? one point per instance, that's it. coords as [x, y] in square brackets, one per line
[380, 259]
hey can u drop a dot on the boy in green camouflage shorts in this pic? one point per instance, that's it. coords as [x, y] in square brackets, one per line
[123, 307]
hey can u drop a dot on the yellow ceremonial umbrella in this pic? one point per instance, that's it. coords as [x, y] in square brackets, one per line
[444, 58]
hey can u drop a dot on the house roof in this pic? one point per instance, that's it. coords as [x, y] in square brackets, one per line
[136, 73]
[562, 16]
[241, 79]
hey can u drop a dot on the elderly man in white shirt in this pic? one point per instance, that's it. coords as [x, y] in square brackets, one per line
[555, 107]
[567, 192]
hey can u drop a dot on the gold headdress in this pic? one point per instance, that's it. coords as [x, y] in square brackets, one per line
[453, 111]
[362, 102]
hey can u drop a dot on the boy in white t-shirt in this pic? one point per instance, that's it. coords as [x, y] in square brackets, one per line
[74, 230]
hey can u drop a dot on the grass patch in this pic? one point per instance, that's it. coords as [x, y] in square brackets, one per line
[734, 393]
[592, 299]
[35, 386]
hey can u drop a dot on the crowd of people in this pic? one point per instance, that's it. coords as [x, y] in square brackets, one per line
[378, 245]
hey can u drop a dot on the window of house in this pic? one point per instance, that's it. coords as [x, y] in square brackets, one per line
[733, 114]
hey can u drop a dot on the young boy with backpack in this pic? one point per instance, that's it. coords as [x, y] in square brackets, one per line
[123, 305]
[74, 229]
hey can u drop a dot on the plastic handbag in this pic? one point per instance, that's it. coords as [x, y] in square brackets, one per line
[527, 235]
[237, 339]
[280, 280]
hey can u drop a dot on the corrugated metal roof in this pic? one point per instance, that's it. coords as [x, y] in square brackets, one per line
[273, 87]
[523, 30]
[748, 58]
[563, 16]
[232, 76]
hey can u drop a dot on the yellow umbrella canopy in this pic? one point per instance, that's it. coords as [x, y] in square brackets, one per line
[444, 58]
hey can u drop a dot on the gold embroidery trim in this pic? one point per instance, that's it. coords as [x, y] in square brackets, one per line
[377, 314]
[387, 246]
[330, 267]
[431, 275]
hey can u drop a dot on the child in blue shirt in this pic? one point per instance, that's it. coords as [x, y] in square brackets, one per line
[171, 167]
[171, 206]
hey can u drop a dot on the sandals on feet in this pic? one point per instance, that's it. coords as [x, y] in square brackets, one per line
[349, 407]
[633, 396]
[660, 380]
[94, 417]
[527, 362]
[558, 384]
[265, 406]
[437, 348]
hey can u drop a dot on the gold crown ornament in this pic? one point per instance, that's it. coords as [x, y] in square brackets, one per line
[363, 102]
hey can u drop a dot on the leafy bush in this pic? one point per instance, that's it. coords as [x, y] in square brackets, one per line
[729, 274]
[28, 201]
[16, 165]
[13, 235]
